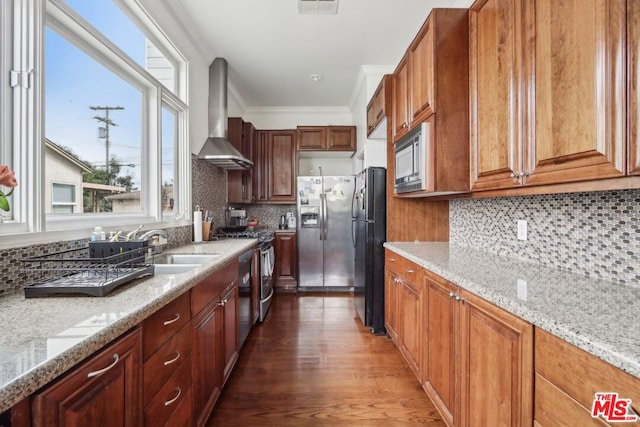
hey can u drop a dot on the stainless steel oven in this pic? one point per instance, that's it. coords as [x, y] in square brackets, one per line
[245, 318]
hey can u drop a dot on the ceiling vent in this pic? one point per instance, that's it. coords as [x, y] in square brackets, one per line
[317, 7]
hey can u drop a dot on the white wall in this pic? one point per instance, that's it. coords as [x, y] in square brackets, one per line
[291, 117]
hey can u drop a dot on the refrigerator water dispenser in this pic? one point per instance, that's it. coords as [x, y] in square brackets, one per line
[309, 216]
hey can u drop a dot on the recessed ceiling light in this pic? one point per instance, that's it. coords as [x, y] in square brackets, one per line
[315, 77]
[317, 7]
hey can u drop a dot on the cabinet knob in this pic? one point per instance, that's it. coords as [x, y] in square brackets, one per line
[459, 298]
[513, 175]
[405, 125]
[452, 295]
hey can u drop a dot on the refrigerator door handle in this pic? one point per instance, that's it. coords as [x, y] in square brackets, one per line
[325, 219]
[354, 235]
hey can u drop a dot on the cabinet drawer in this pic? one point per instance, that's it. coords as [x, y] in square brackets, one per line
[393, 261]
[211, 287]
[553, 407]
[165, 362]
[182, 416]
[406, 270]
[170, 396]
[164, 323]
[579, 374]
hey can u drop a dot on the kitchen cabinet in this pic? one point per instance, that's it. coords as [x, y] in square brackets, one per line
[391, 310]
[400, 107]
[167, 361]
[260, 171]
[547, 92]
[438, 373]
[326, 138]
[633, 83]
[281, 173]
[286, 253]
[427, 88]
[567, 379]
[241, 134]
[378, 108]
[477, 356]
[105, 387]
[407, 278]
[428, 80]
[213, 353]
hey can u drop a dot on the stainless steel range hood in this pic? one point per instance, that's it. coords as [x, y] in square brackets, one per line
[217, 149]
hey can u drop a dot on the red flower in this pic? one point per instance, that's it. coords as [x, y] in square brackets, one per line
[7, 177]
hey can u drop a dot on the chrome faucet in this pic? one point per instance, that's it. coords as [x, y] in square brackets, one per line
[157, 238]
[134, 234]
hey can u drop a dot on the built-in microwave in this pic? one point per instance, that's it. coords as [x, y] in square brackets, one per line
[411, 160]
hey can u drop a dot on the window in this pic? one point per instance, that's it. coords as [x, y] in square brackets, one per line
[169, 141]
[91, 130]
[63, 198]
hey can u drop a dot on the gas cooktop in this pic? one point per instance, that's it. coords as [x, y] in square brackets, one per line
[262, 236]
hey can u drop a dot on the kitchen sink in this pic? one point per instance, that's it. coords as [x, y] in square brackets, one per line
[173, 268]
[184, 258]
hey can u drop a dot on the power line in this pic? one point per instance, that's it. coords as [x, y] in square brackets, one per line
[107, 122]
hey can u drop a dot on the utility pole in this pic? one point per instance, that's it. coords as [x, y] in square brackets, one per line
[108, 122]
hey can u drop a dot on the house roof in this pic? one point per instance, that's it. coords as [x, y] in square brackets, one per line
[67, 155]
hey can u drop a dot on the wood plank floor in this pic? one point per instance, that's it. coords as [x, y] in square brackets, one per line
[312, 363]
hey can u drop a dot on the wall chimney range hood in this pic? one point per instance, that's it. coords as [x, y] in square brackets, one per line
[217, 149]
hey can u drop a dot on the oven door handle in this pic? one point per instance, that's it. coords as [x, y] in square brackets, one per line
[269, 297]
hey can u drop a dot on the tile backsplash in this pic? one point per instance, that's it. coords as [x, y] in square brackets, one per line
[596, 234]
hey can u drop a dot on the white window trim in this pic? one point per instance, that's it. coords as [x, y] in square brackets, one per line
[27, 132]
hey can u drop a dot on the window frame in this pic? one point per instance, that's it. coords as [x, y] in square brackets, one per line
[73, 203]
[26, 129]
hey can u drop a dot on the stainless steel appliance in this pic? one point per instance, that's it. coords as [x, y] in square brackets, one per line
[412, 154]
[236, 218]
[369, 234]
[325, 251]
[266, 263]
[245, 279]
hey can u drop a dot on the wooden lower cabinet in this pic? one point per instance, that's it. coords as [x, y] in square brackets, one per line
[102, 391]
[438, 372]
[495, 365]
[567, 379]
[404, 290]
[207, 331]
[214, 338]
[473, 359]
[286, 253]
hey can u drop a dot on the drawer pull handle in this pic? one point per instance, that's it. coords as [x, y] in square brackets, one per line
[169, 362]
[170, 401]
[116, 359]
[408, 270]
[174, 320]
[392, 259]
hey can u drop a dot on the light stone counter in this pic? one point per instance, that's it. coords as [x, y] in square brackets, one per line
[44, 337]
[600, 317]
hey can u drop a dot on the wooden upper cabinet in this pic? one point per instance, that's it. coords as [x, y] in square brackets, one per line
[578, 120]
[260, 182]
[326, 138]
[282, 166]
[239, 182]
[547, 92]
[421, 76]
[341, 138]
[312, 138]
[400, 107]
[633, 97]
[378, 109]
[495, 37]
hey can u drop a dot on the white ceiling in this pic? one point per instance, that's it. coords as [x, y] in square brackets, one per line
[272, 50]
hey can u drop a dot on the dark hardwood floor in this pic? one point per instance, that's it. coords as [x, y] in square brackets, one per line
[312, 363]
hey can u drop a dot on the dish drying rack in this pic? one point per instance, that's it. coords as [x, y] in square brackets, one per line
[95, 270]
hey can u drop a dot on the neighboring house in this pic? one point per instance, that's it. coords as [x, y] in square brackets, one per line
[63, 186]
[125, 202]
[130, 202]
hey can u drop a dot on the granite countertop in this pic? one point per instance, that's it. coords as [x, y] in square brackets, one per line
[44, 337]
[598, 316]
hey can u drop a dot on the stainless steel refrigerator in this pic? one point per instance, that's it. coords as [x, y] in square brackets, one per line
[369, 235]
[325, 250]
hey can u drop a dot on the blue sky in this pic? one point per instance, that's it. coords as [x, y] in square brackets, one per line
[74, 81]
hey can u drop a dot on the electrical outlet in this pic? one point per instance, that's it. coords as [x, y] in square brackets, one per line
[522, 229]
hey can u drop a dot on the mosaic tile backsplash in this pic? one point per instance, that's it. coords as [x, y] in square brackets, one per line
[12, 276]
[596, 234]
